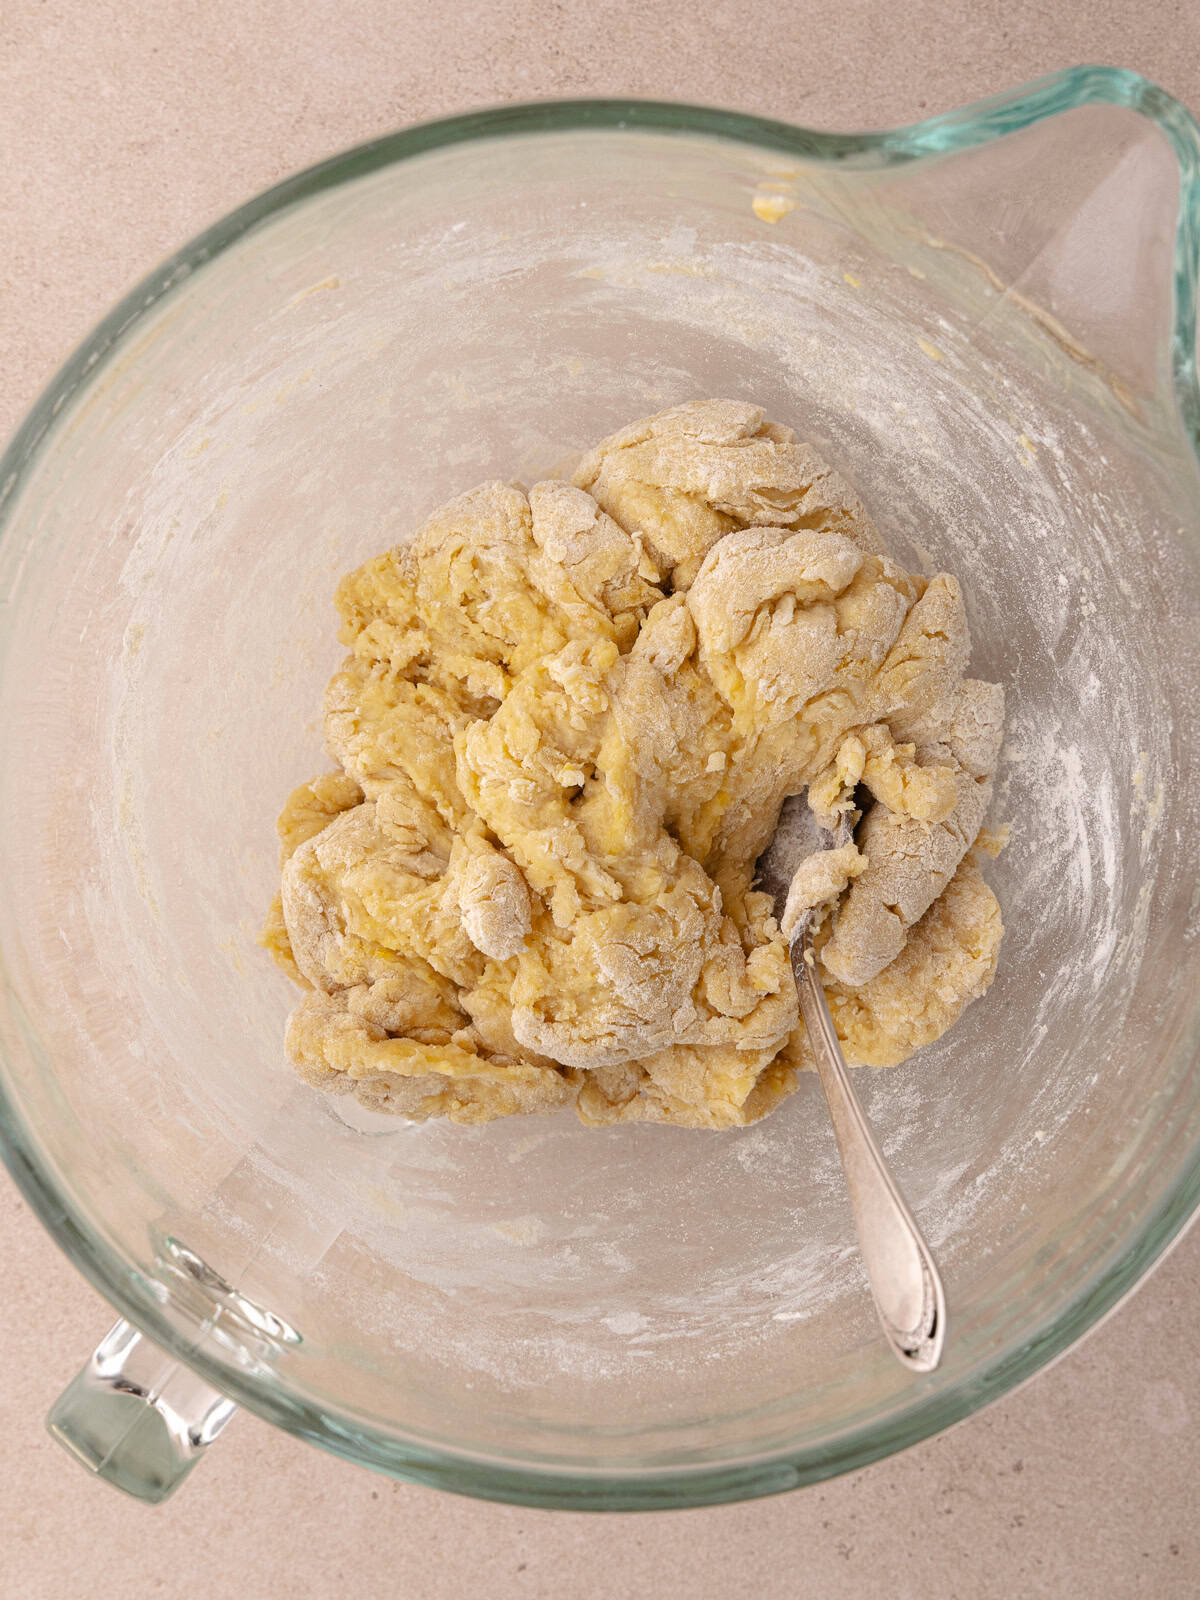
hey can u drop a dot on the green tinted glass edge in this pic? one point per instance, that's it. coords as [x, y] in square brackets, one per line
[930, 1410]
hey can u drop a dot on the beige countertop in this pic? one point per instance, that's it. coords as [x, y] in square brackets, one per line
[127, 127]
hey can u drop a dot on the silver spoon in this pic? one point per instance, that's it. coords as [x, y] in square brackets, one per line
[900, 1268]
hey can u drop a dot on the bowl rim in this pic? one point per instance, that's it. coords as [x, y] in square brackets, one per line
[929, 1408]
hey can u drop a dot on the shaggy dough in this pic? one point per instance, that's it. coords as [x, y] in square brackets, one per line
[564, 730]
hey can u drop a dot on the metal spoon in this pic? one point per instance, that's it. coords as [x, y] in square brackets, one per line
[900, 1268]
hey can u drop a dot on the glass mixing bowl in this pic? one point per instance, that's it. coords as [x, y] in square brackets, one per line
[987, 321]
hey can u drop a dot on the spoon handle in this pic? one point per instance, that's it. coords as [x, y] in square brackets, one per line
[900, 1268]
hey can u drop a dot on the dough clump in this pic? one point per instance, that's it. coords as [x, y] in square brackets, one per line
[563, 733]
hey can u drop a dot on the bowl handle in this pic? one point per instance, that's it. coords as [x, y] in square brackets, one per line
[136, 1417]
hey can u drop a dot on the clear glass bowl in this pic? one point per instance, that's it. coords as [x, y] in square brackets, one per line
[988, 321]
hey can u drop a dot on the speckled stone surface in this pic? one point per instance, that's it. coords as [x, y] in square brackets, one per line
[125, 128]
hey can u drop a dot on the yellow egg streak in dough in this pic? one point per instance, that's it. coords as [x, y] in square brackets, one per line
[564, 729]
